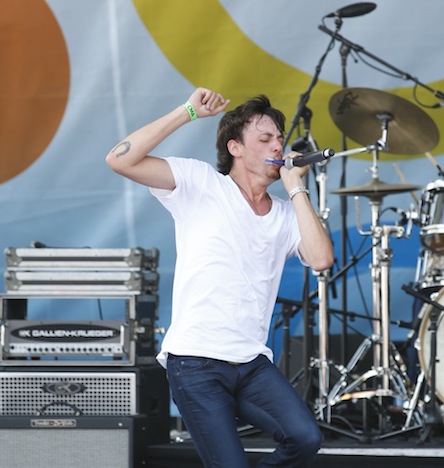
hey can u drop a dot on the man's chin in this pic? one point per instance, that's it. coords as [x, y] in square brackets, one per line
[274, 175]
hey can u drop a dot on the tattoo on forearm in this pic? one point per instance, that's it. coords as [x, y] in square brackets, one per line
[124, 146]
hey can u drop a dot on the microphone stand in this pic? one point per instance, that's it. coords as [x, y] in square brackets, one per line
[304, 98]
[344, 51]
[301, 110]
[357, 48]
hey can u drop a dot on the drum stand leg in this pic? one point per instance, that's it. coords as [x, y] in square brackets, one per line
[388, 372]
[432, 413]
[433, 416]
[414, 401]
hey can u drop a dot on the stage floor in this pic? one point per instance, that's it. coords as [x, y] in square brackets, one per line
[406, 451]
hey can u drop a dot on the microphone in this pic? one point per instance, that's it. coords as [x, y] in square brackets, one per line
[309, 158]
[409, 216]
[301, 145]
[356, 9]
[38, 244]
[403, 214]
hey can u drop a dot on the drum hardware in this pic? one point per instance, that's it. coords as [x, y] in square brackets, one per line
[434, 313]
[431, 216]
[415, 403]
[388, 371]
[346, 109]
[382, 112]
[360, 113]
[375, 190]
[359, 50]
[289, 309]
[404, 181]
[429, 275]
[424, 141]
[430, 157]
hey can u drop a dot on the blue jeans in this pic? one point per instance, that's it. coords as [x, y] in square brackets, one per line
[212, 394]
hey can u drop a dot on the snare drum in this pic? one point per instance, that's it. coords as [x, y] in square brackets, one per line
[423, 345]
[429, 271]
[432, 216]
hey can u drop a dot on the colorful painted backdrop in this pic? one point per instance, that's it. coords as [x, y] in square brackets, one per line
[77, 76]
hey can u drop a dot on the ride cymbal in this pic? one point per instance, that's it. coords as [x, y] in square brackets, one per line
[376, 189]
[360, 114]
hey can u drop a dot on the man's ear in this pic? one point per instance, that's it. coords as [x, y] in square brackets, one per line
[233, 147]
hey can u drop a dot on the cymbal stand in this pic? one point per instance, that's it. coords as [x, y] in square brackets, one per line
[360, 50]
[388, 369]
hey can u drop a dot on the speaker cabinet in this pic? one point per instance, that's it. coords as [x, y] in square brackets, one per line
[84, 391]
[76, 418]
[76, 442]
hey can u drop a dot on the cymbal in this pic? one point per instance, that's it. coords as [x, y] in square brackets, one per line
[376, 189]
[359, 113]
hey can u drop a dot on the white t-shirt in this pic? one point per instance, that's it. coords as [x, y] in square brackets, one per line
[228, 268]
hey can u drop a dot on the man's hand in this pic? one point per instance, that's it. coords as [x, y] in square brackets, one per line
[207, 103]
[293, 177]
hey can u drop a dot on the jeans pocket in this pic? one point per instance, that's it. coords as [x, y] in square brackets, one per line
[185, 364]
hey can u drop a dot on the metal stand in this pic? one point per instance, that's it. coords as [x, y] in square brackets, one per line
[432, 414]
[388, 371]
[388, 374]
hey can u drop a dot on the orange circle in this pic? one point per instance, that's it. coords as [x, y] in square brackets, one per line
[34, 82]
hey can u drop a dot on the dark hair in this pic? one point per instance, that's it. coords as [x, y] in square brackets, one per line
[232, 124]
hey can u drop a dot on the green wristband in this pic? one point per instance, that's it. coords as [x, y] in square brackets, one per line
[191, 110]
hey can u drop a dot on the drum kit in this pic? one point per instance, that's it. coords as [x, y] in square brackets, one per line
[383, 122]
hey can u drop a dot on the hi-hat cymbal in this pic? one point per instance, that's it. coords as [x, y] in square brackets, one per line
[376, 189]
[360, 112]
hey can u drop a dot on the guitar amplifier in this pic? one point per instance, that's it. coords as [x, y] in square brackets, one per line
[68, 393]
[127, 339]
[62, 392]
[37, 339]
[79, 442]
[80, 419]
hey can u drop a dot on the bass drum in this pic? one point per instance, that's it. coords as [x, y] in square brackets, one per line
[424, 345]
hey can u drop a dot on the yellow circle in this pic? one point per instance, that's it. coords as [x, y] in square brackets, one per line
[207, 47]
